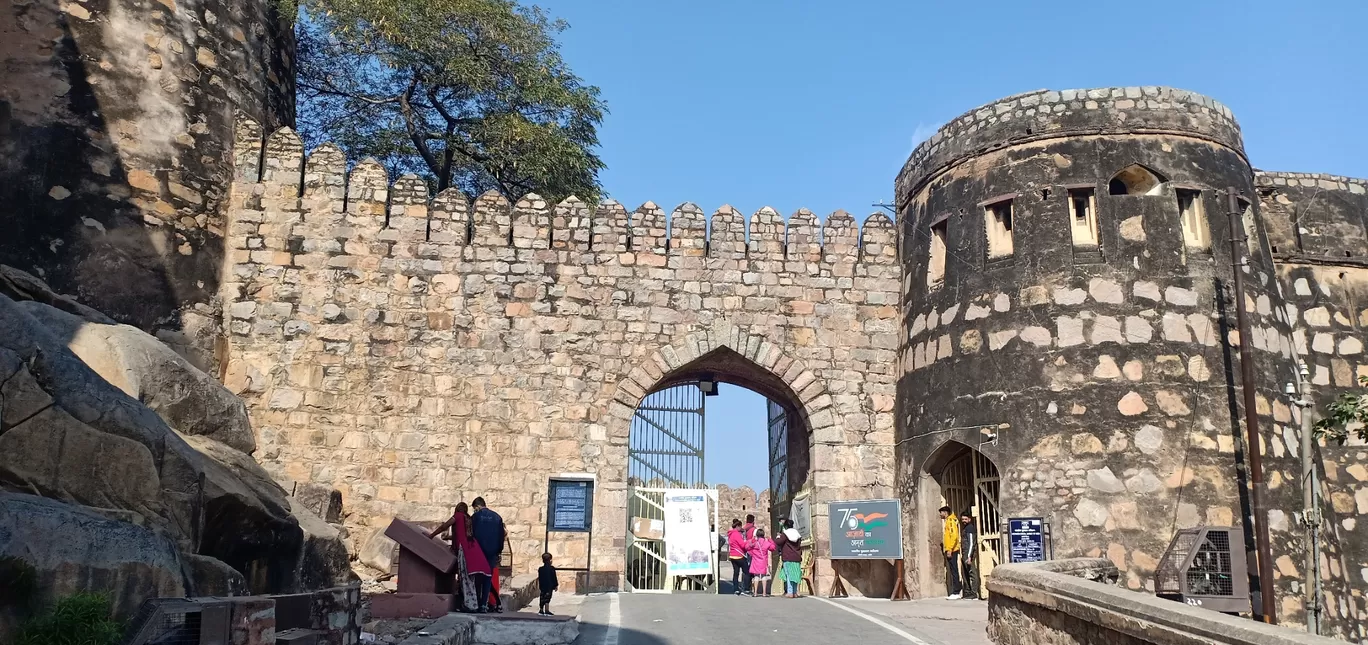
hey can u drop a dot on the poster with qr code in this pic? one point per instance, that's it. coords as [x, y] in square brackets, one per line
[688, 538]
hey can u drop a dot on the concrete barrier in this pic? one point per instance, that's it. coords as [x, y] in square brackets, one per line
[1076, 602]
[496, 629]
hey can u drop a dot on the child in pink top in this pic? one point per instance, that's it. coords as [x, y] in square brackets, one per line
[759, 548]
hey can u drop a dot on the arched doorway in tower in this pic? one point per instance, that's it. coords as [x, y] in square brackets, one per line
[966, 480]
[673, 435]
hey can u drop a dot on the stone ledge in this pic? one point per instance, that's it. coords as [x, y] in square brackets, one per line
[452, 629]
[1068, 588]
[497, 629]
[519, 591]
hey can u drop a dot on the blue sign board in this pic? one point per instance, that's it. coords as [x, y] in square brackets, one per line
[571, 505]
[1026, 539]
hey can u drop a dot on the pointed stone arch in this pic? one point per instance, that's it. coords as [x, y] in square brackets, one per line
[1136, 179]
[668, 365]
[967, 479]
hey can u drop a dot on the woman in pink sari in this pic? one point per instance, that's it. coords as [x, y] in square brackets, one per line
[470, 560]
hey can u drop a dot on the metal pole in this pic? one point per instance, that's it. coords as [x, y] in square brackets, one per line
[1265, 557]
[1310, 503]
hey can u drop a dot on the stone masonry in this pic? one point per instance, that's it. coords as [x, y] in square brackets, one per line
[1099, 371]
[742, 501]
[414, 353]
[116, 158]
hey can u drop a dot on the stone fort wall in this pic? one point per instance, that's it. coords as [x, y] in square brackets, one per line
[1315, 226]
[737, 503]
[116, 162]
[1098, 378]
[415, 352]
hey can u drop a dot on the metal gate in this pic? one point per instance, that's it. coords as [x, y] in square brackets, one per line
[647, 568]
[987, 487]
[665, 449]
[664, 452]
[971, 484]
[778, 462]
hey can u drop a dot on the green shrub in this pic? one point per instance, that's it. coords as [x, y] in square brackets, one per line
[79, 619]
[18, 583]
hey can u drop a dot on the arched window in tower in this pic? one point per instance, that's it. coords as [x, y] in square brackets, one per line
[1135, 179]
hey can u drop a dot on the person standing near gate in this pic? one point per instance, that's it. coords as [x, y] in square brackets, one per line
[736, 553]
[950, 546]
[969, 555]
[489, 532]
[790, 545]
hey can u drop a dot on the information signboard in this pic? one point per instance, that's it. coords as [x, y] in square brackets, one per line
[687, 535]
[868, 529]
[801, 514]
[571, 506]
[1026, 539]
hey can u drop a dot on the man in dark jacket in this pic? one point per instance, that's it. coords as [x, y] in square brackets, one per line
[489, 533]
[969, 555]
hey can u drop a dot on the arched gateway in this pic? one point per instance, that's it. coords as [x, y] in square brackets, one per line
[414, 352]
[665, 448]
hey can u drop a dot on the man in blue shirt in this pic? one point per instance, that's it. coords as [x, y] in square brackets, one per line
[489, 533]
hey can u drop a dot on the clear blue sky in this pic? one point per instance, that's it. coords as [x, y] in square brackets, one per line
[817, 104]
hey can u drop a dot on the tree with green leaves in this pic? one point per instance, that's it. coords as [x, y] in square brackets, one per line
[466, 93]
[1347, 409]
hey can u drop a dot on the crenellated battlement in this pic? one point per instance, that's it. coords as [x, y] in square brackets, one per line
[1314, 217]
[413, 349]
[1046, 114]
[315, 201]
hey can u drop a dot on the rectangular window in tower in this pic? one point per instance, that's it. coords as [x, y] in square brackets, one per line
[1083, 217]
[998, 222]
[1196, 234]
[935, 272]
[1251, 230]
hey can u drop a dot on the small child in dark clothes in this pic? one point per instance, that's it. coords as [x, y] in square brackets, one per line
[546, 580]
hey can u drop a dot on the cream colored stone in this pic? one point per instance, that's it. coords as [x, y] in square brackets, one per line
[1106, 368]
[1132, 404]
[1133, 229]
[1197, 369]
[1085, 443]
[1172, 403]
[1126, 515]
[1037, 295]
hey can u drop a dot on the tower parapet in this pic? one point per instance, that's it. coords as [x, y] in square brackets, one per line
[1049, 114]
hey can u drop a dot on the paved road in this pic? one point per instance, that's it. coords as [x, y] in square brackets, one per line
[687, 618]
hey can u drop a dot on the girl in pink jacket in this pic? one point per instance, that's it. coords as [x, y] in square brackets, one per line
[759, 549]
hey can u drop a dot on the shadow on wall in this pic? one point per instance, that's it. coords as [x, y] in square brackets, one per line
[63, 188]
[868, 578]
[116, 119]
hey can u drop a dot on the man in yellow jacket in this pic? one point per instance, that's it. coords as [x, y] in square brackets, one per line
[950, 545]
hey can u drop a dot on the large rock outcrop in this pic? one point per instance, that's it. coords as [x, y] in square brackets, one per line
[77, 549]
[104, 420]
[190, 401]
